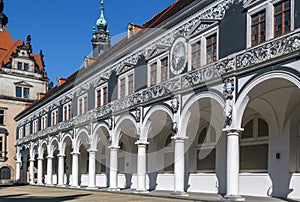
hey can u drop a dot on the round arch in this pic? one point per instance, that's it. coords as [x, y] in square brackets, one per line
[243, 99]
[82, 137]
[95, 138]
[116, 135]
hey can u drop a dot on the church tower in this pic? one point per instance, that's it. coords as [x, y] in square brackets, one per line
[101, 36]
[3, 17]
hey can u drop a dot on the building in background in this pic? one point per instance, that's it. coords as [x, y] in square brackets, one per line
[204, 97]
[22, 80]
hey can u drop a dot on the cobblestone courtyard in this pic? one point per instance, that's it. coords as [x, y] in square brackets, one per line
[38, 194]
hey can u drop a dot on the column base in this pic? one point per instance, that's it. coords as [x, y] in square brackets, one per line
[233, 198]
[49, 185]
[31, 183]
[40, 184]
[92, 188]
[113, 189]
[75, 187]
[179, 193]
[61, 185]
[141, 192]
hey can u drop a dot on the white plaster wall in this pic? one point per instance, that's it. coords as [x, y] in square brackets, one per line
[121, 181]
[295, 186]
[165, 182]
[255, 184]
[202, 182]
[101, 180]
[84, 180]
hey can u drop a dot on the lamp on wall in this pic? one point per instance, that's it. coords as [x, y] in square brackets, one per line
[173, 127]
[175, 104]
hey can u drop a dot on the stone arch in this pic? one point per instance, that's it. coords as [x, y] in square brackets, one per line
[42, 147]
[53, 145]
[120, 126]
[82, 138]
[147, 122]
[96, 136]
[243, 99]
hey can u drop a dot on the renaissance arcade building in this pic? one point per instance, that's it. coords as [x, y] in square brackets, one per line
[204, 97]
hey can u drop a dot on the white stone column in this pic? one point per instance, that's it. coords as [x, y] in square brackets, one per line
[75, 170]
[92, 169]
[113, 171]
[61, 169]
[40, 171]
[49, 171]
[141, 167]
[31, 171]
[179, 166]
[233, 166]
[18, 171]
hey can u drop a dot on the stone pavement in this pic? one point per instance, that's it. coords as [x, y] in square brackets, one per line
[53, 194]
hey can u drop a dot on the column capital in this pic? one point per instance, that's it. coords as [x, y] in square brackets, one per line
[31, 160]
[113, 147]
[61, 155]
[92, 150]
[233, 131]
[75, 153]
[50, 157]
[138, 143]
[40, 158]
[179, 138]
[18, 161]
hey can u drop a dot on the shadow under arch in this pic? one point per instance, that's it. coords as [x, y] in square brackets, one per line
[204, 111]
[271, 95]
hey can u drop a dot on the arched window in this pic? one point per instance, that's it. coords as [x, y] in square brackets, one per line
[5, 173]
[254, 145]
[206, 149]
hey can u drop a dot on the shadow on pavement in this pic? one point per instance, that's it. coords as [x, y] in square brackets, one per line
[23, 198]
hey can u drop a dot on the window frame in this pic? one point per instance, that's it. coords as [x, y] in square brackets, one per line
[67, 114]
[125, 78]
[44, 122]
[269, 7]
[282, 12]
[103, 99]
[27, 129]
[259, 25]
[35, 126]
[255, 139]
[82, 106]
[158, 61]
[54, 117]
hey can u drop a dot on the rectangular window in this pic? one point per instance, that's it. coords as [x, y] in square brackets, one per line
[44, 123]
[153, 74]
[25, 66]
[211, 49]
[130, 84]
[258, 28]
[282, 18]
[122, 87]
[65, 112]
[254, 153]
[164, 69]
[20, 65]
[27, 129]
[85, 104]
[98, 99]
[105, 95]
[21, 132]
[80, 107]
[206, 160]
[26, 93]
[1, 117]
[18, 91]
[35, 126]
[196, 55]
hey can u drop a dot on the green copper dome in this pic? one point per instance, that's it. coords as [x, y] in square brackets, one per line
[101, 22]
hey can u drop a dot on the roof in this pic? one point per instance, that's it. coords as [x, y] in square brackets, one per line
[8, 46]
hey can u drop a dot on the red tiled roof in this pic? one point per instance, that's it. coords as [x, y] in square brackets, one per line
[8, 46]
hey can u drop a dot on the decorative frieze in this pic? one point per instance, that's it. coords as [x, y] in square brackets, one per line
[276, 48]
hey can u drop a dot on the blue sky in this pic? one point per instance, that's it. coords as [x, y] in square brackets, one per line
[63, 28]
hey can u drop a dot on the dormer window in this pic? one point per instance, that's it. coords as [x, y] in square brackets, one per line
[25, 66]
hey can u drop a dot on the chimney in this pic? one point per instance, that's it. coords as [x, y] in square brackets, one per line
[41, 95]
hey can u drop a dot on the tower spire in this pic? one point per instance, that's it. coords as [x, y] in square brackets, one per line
[3, 17]
[101, 36]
